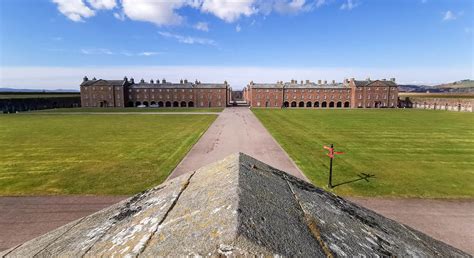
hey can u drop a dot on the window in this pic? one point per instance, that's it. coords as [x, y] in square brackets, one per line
[152, 90]
[360, 96]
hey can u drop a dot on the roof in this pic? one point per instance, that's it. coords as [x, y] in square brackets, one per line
[288, 85]
[236, 206]
[166, 85]
[370, 82]
[109, 82]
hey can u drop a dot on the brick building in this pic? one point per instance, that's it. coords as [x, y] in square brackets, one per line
[127, 93]
[349, 94]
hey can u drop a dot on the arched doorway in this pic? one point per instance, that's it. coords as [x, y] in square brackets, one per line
[153, 103]
[331, 104]
[308, 104]
[190, 104]
[346, 104]
[339, 104]
[324, 104]
[160, 103]
[138, 103]
[168, 104]
[176, 104]
[293, 104]
[286, 104]
[130, 104]
[316, 104]
[183, 103]
[301, 104]
[145, 103]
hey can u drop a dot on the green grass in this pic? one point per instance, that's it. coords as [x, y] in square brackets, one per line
[92, 154]
[412, 153]
[131, 110]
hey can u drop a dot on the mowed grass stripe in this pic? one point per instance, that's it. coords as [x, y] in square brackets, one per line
[93, 154]
[412, 153]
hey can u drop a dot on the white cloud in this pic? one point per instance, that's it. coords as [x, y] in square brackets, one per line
[449, 16]
[75, 10]
[349, 5]
[229, 10]
[238, 28]
[203, 26]
[188, 39]
[102, 4]
[165, 12]
[96, 51]
[148, 53]
[320, 3]
[157, 12]
[120, 16]
[237, 76]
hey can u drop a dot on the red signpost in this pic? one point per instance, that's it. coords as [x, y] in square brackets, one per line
[331, 157]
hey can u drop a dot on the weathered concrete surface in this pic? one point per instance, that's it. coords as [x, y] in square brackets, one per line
[451, 221]
[24, 217]
[237, 129]
[237, 206]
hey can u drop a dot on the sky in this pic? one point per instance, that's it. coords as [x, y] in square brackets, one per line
[51, 44]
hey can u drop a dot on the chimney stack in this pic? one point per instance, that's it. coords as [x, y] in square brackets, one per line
[158, 81]
[181, 81]
[368, 79]
[185, 81]
[392, 79]
[85, 79]
[132, 81]
[333, 81]
[325, 82]
[142, 81]
[301, 81]
[125, 79]
[163, 81]
[94, 79]
[319, 82]
[151, 81]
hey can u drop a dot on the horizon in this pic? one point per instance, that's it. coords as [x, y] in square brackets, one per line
[53, 44]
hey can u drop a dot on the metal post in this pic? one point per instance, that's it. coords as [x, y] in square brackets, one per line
[330, 166]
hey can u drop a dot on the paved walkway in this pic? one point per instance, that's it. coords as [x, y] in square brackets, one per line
[237, 130]
[23, 218]
[451, 221]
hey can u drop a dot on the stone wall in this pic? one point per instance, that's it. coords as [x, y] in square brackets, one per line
[449, 104]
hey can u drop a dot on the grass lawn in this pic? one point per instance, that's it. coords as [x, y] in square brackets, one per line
[132, 110]
[412, 153]
[92, 154]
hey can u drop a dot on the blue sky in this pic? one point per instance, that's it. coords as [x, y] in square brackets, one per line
[54, 43]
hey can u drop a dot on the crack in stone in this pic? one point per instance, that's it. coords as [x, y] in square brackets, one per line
[188, 181]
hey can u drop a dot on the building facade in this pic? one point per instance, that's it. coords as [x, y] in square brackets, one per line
[127, 93]
[349, 94]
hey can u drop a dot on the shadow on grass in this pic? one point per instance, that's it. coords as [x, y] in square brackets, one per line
[362, 176]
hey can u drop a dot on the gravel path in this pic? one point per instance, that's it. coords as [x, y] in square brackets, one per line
[451, 221]
[24, 218]
[237, 130]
